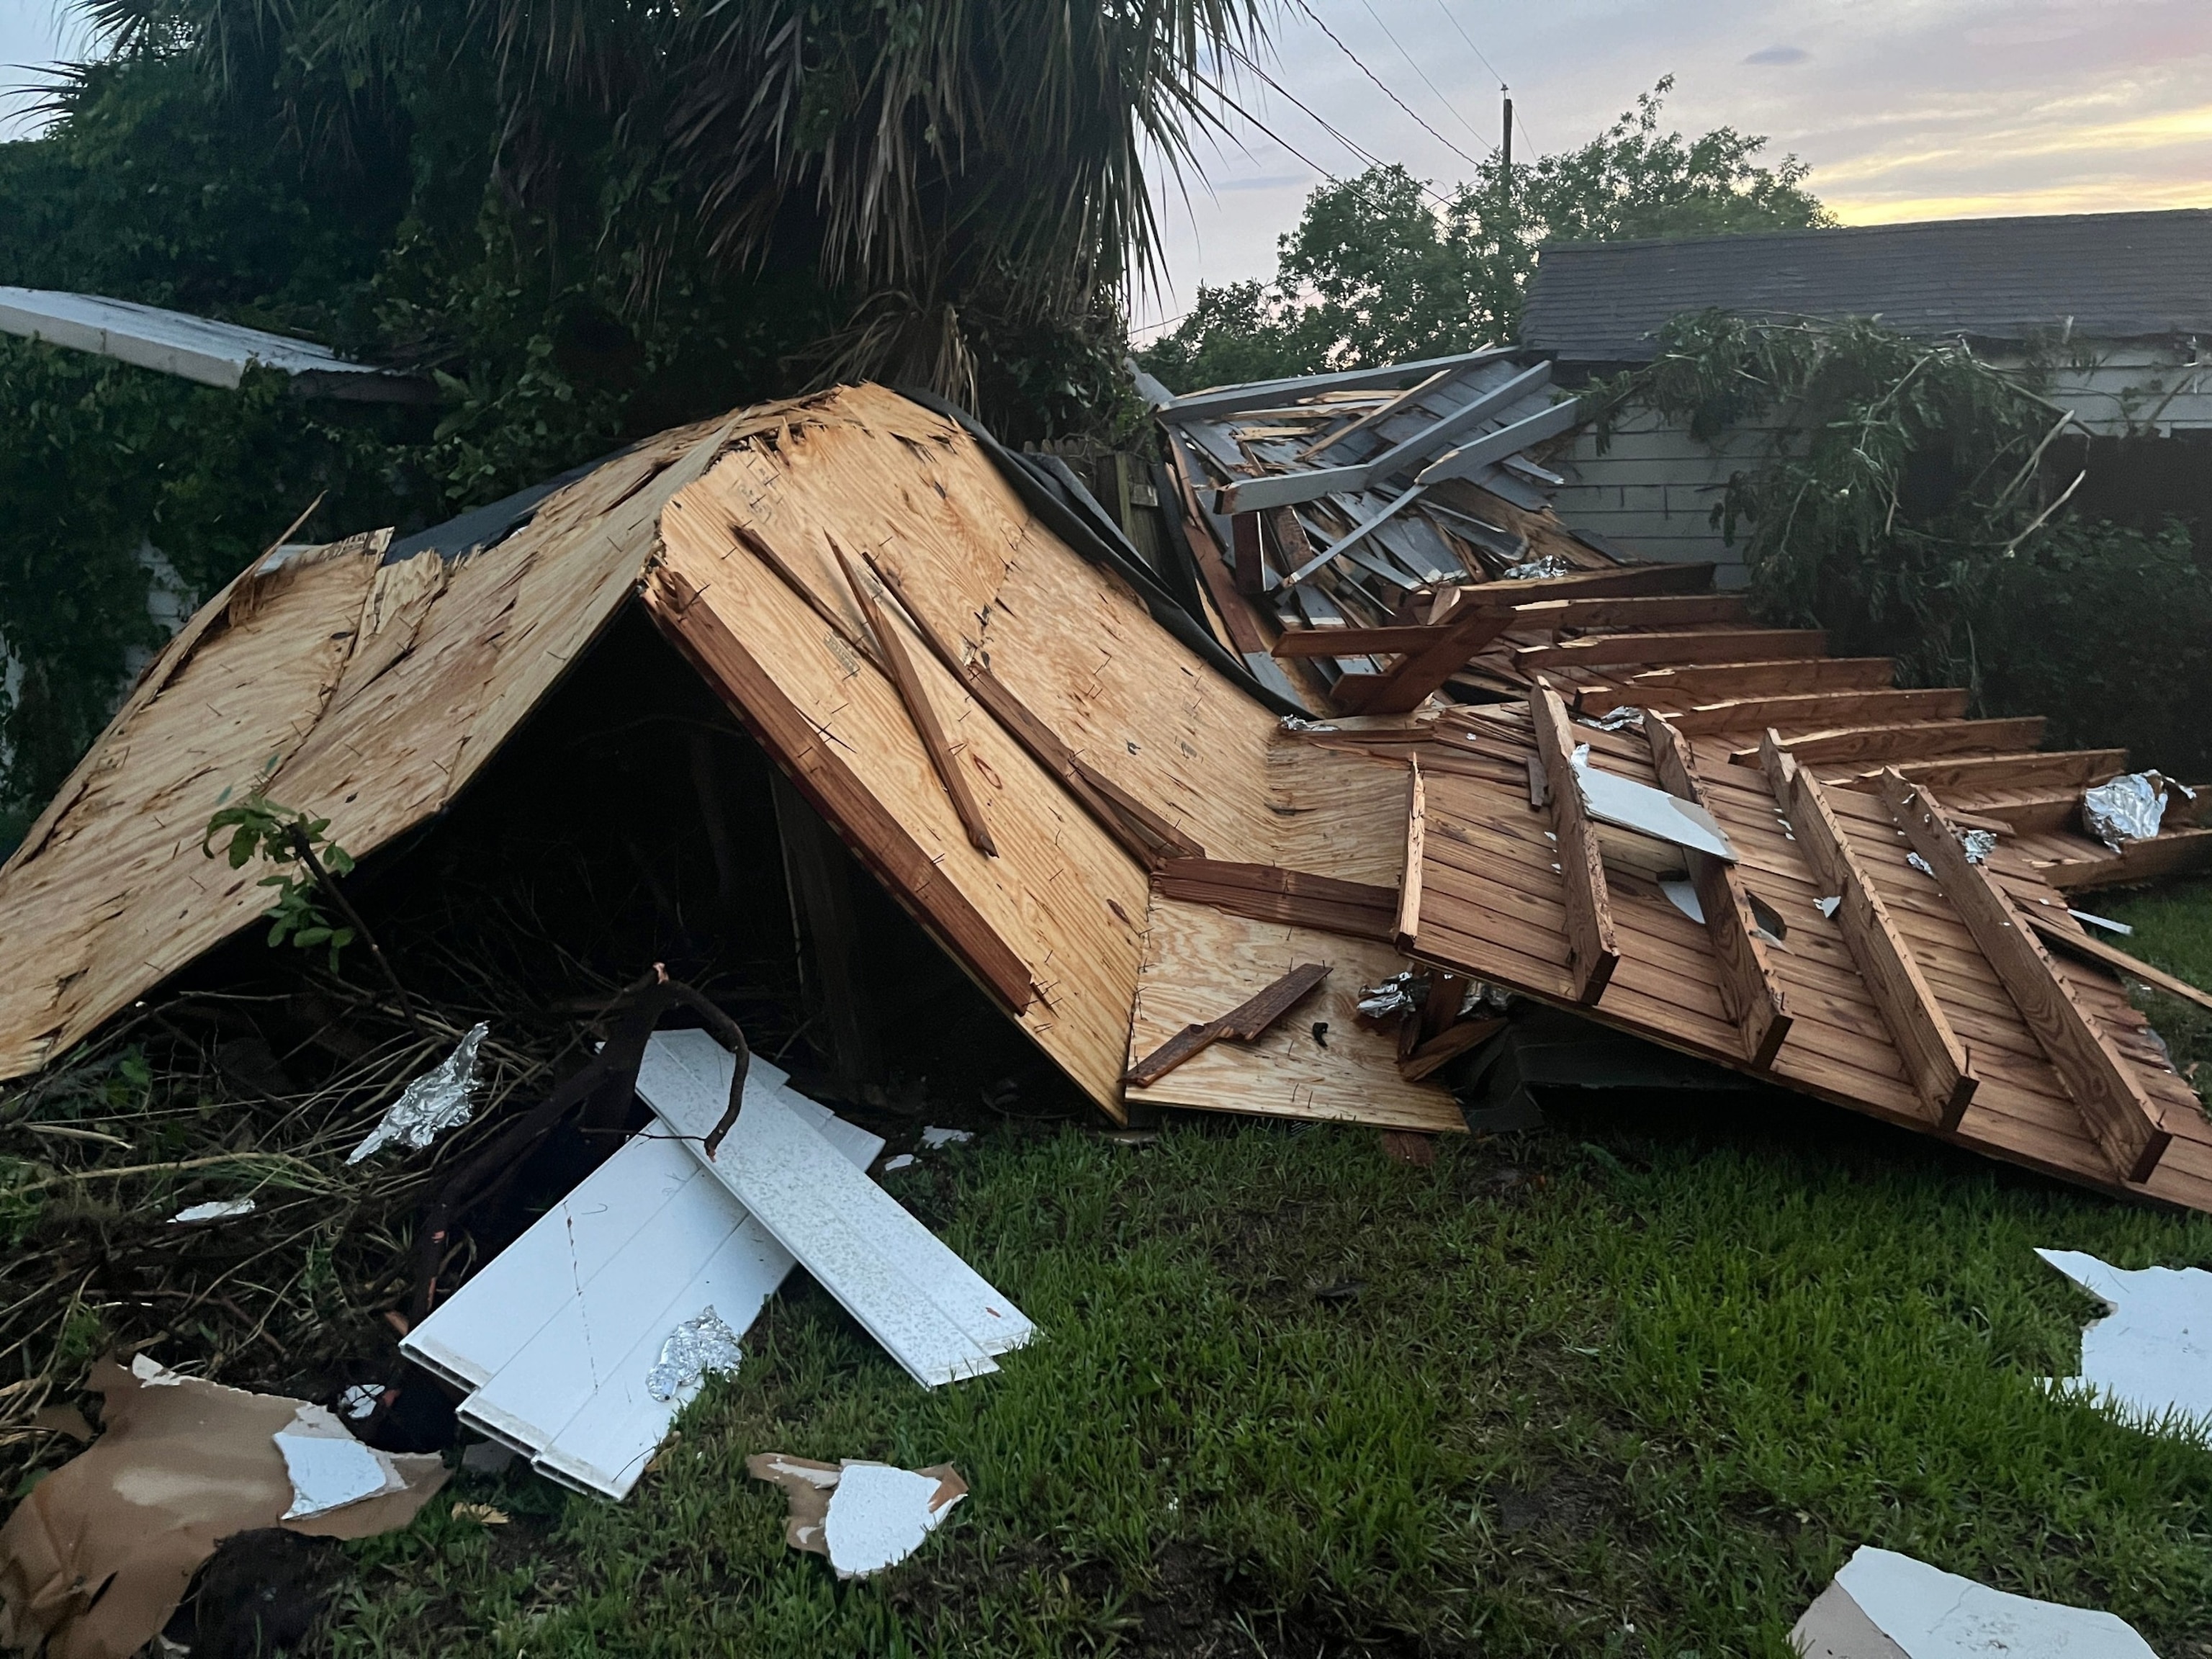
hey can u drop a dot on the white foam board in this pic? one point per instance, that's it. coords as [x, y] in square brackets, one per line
[1928, 1613]
[933, 1312]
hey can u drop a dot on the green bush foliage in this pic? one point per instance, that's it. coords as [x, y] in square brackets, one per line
[1905, 501]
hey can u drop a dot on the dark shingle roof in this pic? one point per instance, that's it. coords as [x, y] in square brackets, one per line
[2117, 275]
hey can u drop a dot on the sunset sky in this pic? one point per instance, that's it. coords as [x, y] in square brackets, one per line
[1905, 108]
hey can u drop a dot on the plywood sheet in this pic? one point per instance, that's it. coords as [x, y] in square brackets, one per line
[1200, 963]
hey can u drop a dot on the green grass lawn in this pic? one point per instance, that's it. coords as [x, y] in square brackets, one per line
[1632, 1385]
[2174, 931]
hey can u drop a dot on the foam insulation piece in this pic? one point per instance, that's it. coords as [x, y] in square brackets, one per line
[861, 1517]
[2148, 1361]
[1887, 1606]
[94, 1562]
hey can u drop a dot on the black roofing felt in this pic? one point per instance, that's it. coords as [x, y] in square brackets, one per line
[2116, 275]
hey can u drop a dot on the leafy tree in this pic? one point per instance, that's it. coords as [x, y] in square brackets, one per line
[1380, 270]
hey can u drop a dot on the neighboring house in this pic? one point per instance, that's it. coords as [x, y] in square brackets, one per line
[2120, 304]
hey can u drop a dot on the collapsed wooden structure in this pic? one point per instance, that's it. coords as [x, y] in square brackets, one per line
[1098, 800]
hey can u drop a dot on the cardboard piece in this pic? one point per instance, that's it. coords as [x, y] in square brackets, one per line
[1887, 1606]
[2148, 1361]
[861, 1517]
[95, 1560]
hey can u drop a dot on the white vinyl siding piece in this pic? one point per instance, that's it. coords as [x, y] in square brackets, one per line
[933, 1312]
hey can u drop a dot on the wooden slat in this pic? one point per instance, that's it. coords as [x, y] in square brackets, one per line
[1934, 1058]
[1245, 1022]
[1683, 684]
[1671, 610]
[1817, 710]
[2068, 935]
[1590, 584]
[1709, 645]
[1310, 642]
[1267, 892]
[1593, 950]
[1969, 778]
[1917, 740]
[926, 725]
[2126, 1122]
[1409, 885]
[2172, 853]
[1749, 990]
[1407, 683]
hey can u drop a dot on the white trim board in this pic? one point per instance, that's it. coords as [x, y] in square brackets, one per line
[933, 1312]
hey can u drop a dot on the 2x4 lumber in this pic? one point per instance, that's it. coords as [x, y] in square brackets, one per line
[1818, 710]
[1591, 584]
[1654, 610]
[1407, 683]
[1408, 926]
[1246, 1022]
[1915, 740]
[1935, 1059]
[1593, 946]
[705, 640]
[2167, 855]
[921, 712]
[2062, 768]
[1750, 993]
[1681, 684]
[1268, 394]
[2124, 1119]
[2068, 935]
[1713, 645]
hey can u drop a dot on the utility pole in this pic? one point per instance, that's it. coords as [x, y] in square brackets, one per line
[1506, 148]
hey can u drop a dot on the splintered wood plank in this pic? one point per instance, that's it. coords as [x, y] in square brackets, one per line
[1664, 611]
[2170, 853]
[1683, 684]
[1818, 710]
[1915, 740]
[1591, 584]
[1593, 950]
[1934, 1057]
[1716, 644]
[1322, 1063]
[1246, 1022]
[1749, 990]
[931, 729]
[1407, 683]
[1409, 925]
[2127, 1124]
[1970, 778]
[1268, 892]
[2069, 935]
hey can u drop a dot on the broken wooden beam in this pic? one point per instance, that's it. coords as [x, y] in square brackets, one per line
[2171, 854]
[942, 756]
[2121, 1117]
[1913, 741]
[1682, 684]
[1407, 683]
[1448, 1045]
[1935, 1059]
[1407, 927]
[1267, 892]
[2069, 935]
[1818, 710]
[1973, 776]
[1750, 993]
[1699, 645]
[1246, 1022]
[1593, 946]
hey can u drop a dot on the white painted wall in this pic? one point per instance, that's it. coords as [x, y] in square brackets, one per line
[1654, 489]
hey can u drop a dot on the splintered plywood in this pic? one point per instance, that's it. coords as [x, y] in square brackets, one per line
[363, 693]
[1050, 925]
[1201, 963]
[910, 491]
[1491, 904]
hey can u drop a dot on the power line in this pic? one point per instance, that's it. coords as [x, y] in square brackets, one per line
[1365, 157]
[1470, 160]
[1483, 59]
[1423, 74]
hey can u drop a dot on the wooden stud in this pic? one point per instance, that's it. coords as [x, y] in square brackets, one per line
[2126, 1122]
[919, 709]
[1441, 1050]
[1935, 1059]
[2064, 768]
[2168, 854]
[1267, 892]
[1246, 1022]
[1593, 949]
[2068, 935]
[1409, 925]
[1590, 584]
[1917, 740]
[1248, 561]
[1682, 685]
[1701, 646]
[1750, 993]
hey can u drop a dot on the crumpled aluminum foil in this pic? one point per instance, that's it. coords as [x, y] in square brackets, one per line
[1481, 994]
[440, 1099]
[1978, 844]
[1393, 995]
[1551, 564]
[2129, 808]
[1619, 719]
[1920, 864]
[1293, 723]
[699, 1345]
